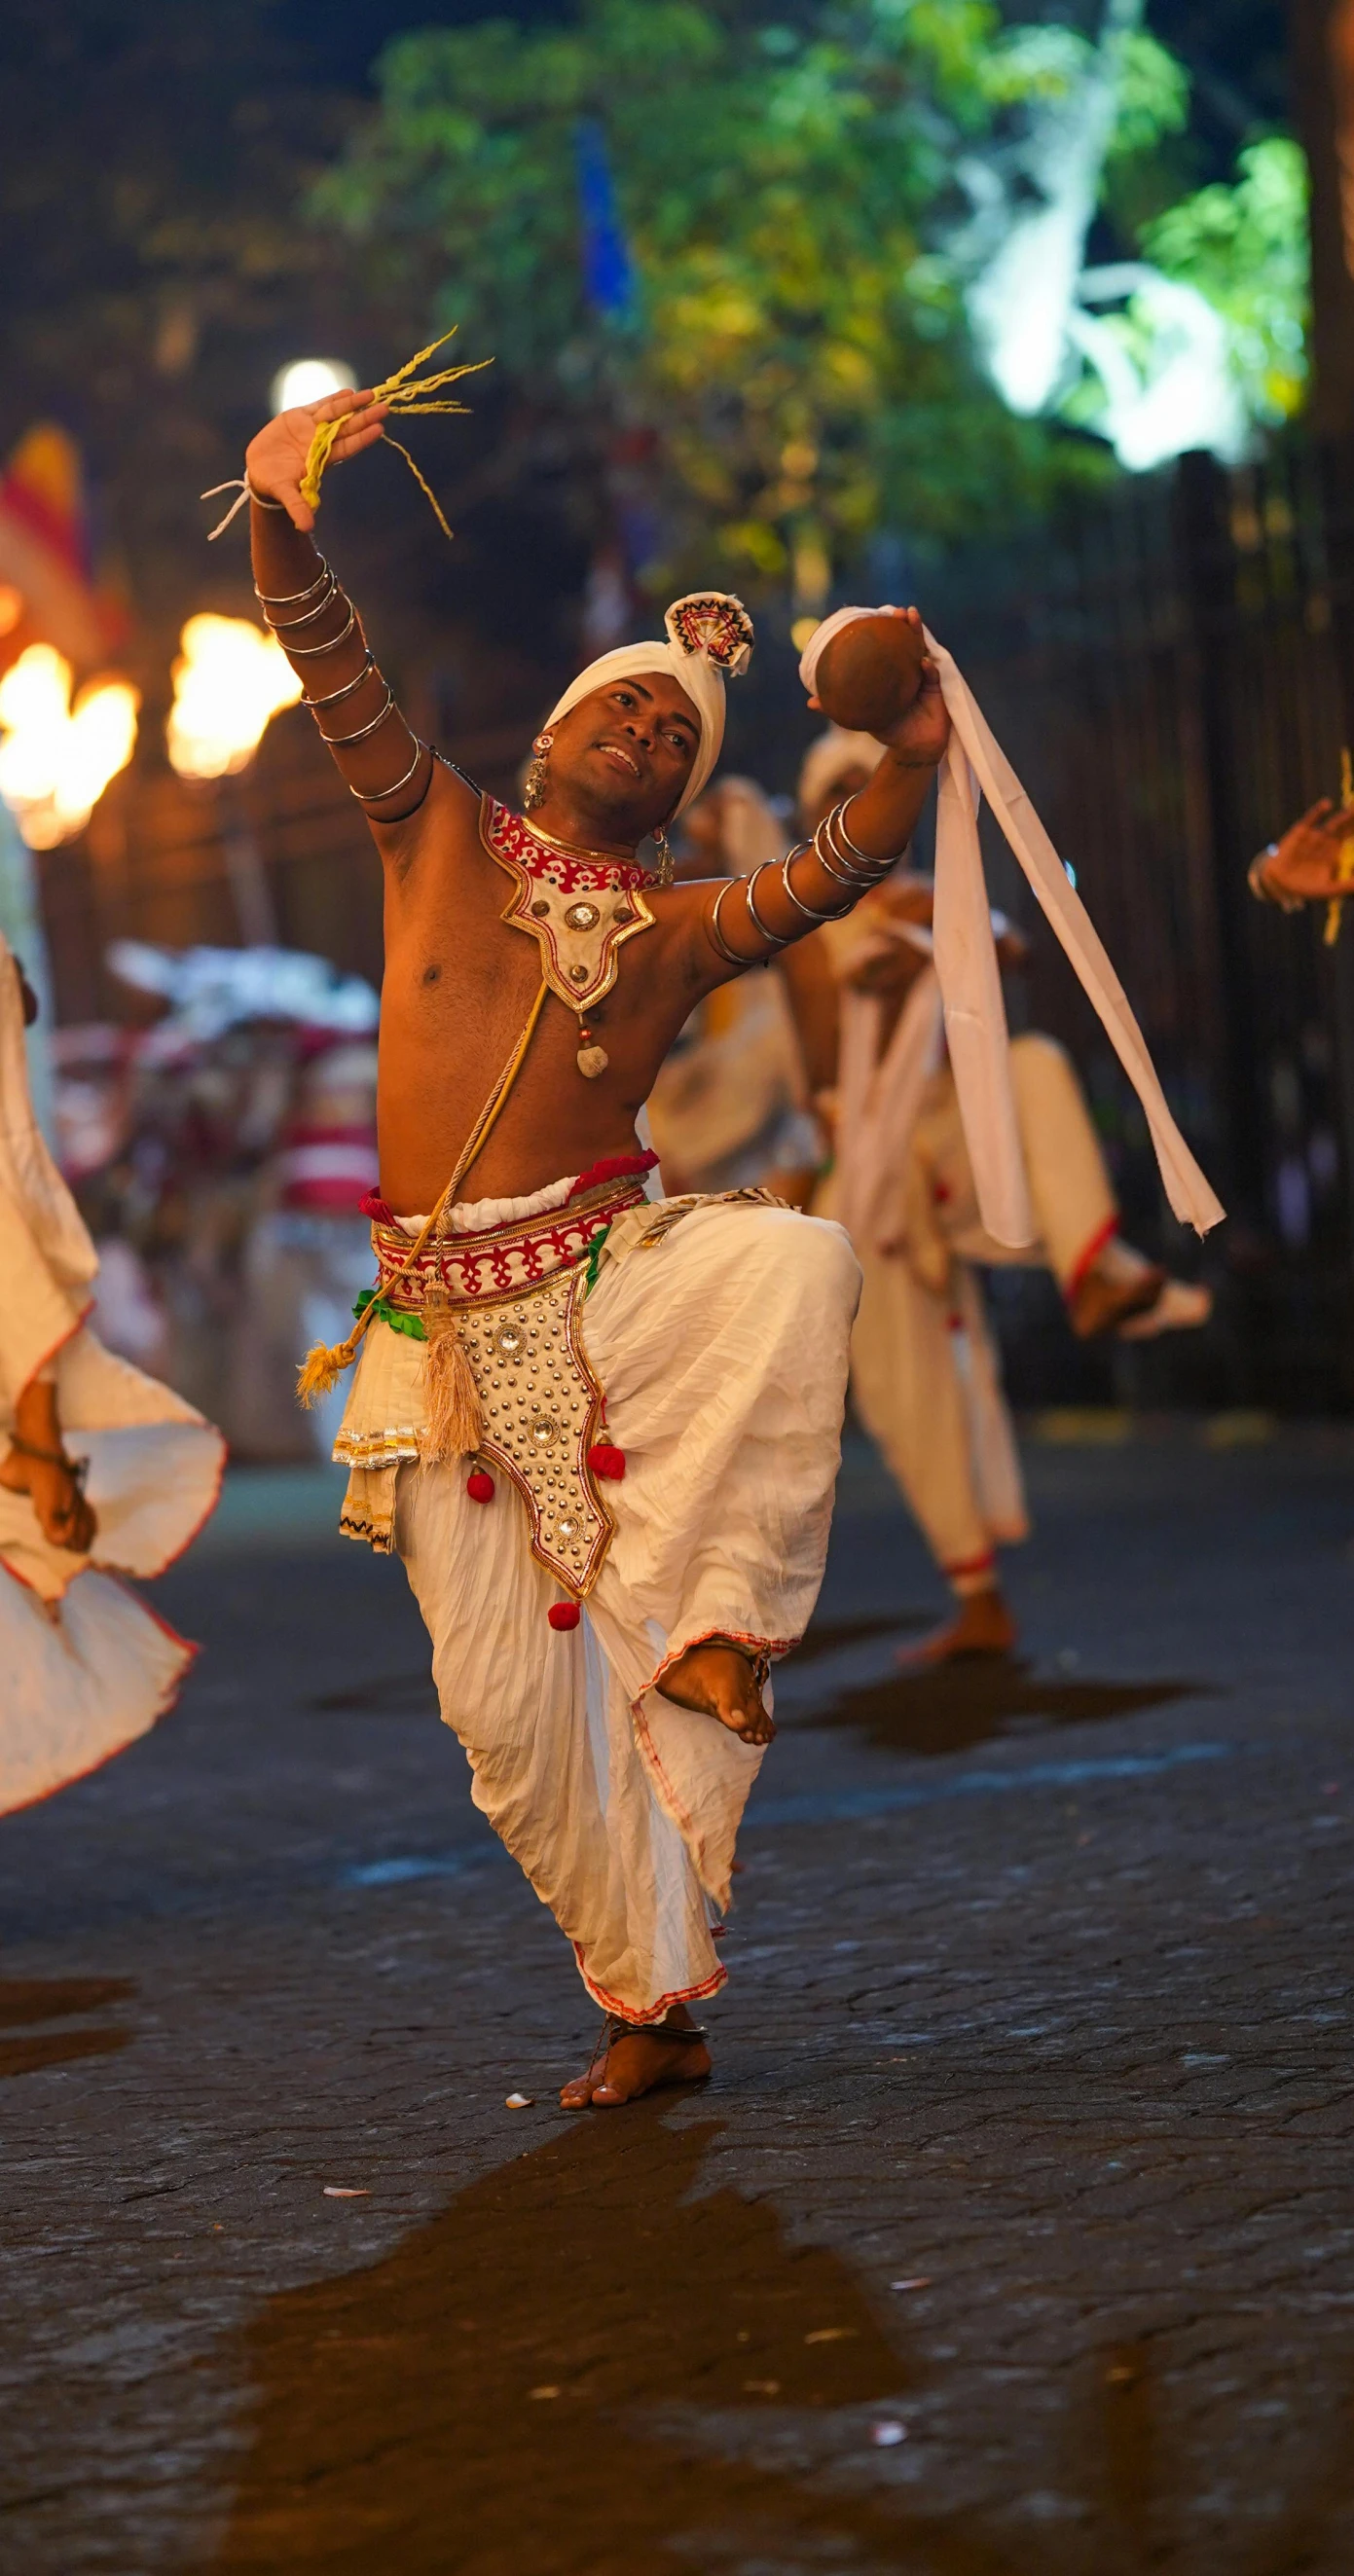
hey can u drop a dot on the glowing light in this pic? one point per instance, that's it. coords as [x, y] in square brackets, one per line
[308, 380]
[229, 682]
[801, 631]
[11, 607]
[56, 759]
[1166, 383]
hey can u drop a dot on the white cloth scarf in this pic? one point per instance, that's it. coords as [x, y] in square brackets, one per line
[970, 980]
[878, 1099]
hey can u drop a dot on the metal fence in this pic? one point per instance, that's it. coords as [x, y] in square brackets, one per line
[1171, 671]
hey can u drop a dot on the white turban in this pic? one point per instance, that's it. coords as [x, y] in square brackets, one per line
[970, 981]
[830, 759]
[709, 641]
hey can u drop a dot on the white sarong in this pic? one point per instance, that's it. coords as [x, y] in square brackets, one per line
[84, 1666]
[722, 1350]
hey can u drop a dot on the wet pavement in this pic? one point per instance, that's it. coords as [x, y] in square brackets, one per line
[1013, 2237]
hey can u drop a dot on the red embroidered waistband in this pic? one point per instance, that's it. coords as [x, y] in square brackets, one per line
[505, 1259]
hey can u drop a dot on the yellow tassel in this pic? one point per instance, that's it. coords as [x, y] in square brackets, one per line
[321, 1370]
[455, 1421]
[402, 395]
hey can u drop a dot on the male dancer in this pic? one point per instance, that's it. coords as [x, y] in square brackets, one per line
[84, 1666]
[925, 1370]
[561, 1333]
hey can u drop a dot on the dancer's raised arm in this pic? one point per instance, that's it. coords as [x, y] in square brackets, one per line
[892, 689]
[381, 760]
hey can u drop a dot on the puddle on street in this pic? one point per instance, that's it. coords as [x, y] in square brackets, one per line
[580, 2369]
[488, 2396]
[960, 1705]
[828, 1636]
[26, 2001]
[408, 1694]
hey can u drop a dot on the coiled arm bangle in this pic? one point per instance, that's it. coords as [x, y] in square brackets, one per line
[840, 911]
[829, 866]
[289, 598]
[283, 627]
[378, 795]
[339, 741]
[866, 874]
[336, 696]
[730, 955]
[837, 820]
[307, 652]
[774, 938]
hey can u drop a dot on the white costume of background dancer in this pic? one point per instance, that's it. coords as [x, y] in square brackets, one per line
[85, 1667]
[925, 1373]
[927, 1192]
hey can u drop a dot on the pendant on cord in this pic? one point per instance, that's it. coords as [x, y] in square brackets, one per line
[592, 1058]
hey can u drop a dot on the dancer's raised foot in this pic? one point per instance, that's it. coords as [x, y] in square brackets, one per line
[1119, 1283]
[718, 1681]
[982, 1625]
[639, 2061]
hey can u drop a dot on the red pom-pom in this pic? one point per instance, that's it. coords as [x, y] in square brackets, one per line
[606, 1460]
[480, 1487]
[564, 1614]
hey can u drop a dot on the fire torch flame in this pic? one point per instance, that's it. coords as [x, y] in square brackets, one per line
[229, 682]
[57, 758]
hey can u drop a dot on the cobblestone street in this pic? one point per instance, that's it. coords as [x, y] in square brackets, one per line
[1013, 2237]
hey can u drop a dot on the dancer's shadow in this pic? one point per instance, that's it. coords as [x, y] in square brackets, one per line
[25, 2001]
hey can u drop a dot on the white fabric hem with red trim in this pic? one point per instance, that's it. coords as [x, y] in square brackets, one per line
[57, 1347]
[187, 1648]
[644, 2015]
[672, 1805]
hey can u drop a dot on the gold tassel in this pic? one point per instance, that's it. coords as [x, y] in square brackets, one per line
[322, 1368]
[455, 1422]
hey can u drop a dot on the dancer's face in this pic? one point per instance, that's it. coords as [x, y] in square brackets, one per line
[623, 755]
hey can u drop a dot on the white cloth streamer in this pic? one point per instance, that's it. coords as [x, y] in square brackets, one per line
[970, 980]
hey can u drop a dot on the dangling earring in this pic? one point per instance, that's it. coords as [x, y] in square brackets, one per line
[533, 794]
[665, 862]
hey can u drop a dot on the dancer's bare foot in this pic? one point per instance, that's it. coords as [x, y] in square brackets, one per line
[37, 1465]
[1119, 1283]
[982, 1625]
[637, 2062]
[1183, 1305]
[719, 1681]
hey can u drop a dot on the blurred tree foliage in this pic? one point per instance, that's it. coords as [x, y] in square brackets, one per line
[785, 177]
[1246, 248]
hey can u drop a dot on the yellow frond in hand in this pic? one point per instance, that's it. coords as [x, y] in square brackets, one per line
[405, 391]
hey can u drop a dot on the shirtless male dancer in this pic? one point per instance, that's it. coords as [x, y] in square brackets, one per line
[564, 1333]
